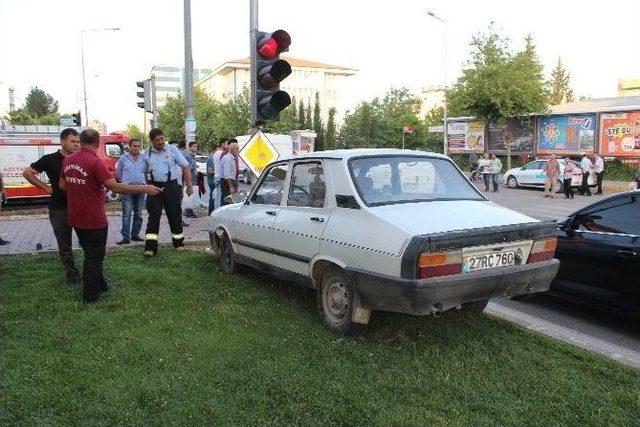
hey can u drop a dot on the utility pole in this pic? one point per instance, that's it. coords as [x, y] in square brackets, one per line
[253, 52]
[189, 110]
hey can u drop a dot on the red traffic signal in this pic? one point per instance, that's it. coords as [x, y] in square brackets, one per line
[272, 45]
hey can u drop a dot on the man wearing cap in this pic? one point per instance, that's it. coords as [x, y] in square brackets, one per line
[165, 167]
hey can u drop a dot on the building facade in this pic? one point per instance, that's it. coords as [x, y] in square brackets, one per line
[431, 97]
[307, 78]
[170, 81]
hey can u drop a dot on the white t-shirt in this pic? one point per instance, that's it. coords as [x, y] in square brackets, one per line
[217, 166]
[585, 164]
[228, 163]
[599, 164]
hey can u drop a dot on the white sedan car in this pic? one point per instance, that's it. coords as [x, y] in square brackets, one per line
[532, 175]
[377, 229]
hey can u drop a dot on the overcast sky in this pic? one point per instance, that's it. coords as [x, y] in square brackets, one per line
[391, 43]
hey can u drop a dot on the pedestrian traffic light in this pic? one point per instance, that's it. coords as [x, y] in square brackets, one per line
[145, 94]
[77, 118]
[270, 70]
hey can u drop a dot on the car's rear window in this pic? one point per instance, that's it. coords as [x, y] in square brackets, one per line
[409, 179]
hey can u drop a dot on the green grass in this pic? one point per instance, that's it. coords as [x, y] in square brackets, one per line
[180, 343]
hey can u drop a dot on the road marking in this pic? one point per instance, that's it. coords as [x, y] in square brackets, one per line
[571, 336]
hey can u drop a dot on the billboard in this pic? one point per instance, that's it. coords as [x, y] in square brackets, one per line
[520, 132]
[465, 137]
[620, 134]
[572, 133]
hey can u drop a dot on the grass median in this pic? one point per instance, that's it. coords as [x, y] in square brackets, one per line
[178, 342]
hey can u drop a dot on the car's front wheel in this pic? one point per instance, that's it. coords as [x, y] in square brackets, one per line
[512, 182]
[227, 255]
[336, 301]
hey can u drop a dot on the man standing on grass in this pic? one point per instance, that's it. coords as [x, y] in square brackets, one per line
[223, 148]
[84, 176]
[51, 164]
[165, 167]
[2, 241]
[190, 155]
[130, 170]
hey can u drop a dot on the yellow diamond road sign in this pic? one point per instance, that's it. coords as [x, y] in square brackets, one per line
[258, 153]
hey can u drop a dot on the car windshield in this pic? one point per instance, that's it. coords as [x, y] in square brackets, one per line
[409, 179]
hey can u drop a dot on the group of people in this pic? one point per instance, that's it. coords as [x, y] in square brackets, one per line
[490, 166]
[555, 172]
[156, 178]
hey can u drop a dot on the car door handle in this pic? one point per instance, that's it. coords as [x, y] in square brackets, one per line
[627, 253]
[272, 213]
[317, 219]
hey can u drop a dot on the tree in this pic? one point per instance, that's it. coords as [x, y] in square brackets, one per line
[380, 122]
[434, 141]
[301, 115]
[307, 116]
[39, 103]
[39, 109]
[559, 85]
[135, 132]
[496, 85]
[330, 133]
[318, 126]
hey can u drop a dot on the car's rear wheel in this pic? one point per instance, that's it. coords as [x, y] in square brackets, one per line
[227, 255]
[336, 301]
[559, 187]
[512, 182]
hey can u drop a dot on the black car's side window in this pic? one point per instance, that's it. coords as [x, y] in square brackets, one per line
[270, 190]
[621, 216]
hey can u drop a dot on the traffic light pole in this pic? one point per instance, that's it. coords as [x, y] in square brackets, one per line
[253, 49]
[154, 106]
[189, 110]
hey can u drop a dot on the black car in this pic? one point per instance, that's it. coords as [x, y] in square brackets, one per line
[599, 253]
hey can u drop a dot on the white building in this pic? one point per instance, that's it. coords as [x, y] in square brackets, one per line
[307, 78]
[170, 81]
[431, 97]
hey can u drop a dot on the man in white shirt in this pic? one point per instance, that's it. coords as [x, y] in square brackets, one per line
[229, 171]
[585, 165]
[223, 148]
[599, 168]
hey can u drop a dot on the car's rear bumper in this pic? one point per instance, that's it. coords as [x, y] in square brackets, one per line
[417, 297]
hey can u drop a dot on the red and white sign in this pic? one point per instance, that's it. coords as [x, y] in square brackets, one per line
[407, 129]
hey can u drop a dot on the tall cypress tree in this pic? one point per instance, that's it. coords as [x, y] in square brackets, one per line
[307, 116]
[318, 126]
[330, 134]
[301, 115]
[558, 85]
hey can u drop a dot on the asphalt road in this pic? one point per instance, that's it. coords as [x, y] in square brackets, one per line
[605, 333]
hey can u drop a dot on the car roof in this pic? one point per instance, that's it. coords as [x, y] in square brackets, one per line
[364, 152]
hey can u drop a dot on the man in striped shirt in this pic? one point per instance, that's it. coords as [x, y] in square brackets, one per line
[130, 170]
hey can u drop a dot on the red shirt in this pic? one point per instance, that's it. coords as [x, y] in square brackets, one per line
[84, 173]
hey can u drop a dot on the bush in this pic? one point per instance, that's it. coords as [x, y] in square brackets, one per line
[615, 170]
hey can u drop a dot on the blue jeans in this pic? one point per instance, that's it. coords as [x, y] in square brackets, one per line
[132, 204]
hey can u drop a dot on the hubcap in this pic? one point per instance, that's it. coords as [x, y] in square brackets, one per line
[512, 182]
[335, 300]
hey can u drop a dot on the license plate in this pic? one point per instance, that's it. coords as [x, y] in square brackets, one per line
[491, 260]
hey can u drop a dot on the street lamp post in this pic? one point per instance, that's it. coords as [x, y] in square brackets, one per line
[84, 80]
[444, 43]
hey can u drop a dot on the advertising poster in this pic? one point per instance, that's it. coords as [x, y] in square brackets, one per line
[566, 134]
[465, 137]
[620, 134]
[521, 133]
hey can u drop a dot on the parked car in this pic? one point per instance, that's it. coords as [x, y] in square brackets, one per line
[532, 175]
[599, 253]
[378, 229]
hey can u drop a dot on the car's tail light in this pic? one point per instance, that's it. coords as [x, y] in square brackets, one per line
[543, 250]
[438, 264]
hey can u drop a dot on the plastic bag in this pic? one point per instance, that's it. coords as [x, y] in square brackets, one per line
[190, 202]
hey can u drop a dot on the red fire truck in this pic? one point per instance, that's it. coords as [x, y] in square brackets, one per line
[22, 145]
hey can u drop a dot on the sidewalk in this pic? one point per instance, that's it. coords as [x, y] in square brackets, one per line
[26, 235]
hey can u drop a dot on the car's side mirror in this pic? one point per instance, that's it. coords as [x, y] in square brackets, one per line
[565, 224]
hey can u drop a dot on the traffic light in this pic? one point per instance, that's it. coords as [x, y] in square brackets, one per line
[77, 118]
[270, 70]
[145, 94]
